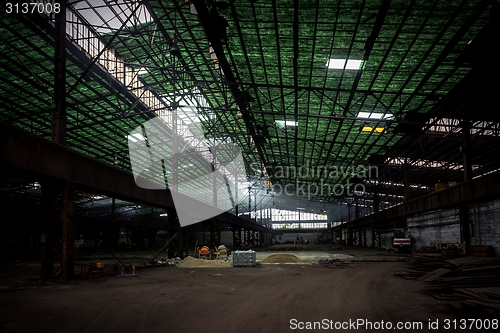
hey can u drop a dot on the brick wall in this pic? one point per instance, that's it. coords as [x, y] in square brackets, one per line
[441, 225]
[485, 224]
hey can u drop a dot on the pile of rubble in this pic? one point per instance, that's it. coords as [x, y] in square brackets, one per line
[170, 261]
[283, 258]
[467, 283]
[331, 261]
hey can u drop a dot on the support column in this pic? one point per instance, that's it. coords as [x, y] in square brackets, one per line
[376, 241]
[466, 151]
[464, 224]
[214, 175]
[236, 238]
[173, 226]
[406, 169]
[180, 234]
[58, 229]
[58, 108]
[372, 228]
[247, 237]
[350, 235]
[376, 199]
[357, 207]
[464, 208]
[218, 233]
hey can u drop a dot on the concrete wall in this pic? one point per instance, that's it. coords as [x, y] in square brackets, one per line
[441, 225]
[485, 224]
[444, 225]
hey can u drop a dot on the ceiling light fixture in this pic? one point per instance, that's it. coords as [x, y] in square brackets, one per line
[345, 64]
[373, 129]
[373, 115]
[283, 123]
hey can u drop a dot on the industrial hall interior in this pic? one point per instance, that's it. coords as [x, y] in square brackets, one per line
[249, 165]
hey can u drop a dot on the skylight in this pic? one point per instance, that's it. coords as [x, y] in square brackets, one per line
[283, 123]
[343, 63]
[135, 137]
[373, 115]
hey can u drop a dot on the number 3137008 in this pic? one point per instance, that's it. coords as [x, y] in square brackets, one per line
[33, 8]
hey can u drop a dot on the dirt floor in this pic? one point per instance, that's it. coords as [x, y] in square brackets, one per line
[264, 298]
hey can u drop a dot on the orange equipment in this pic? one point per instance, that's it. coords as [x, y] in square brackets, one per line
[204, 252]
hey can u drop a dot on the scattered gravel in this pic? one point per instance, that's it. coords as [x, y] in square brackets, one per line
[190, 262]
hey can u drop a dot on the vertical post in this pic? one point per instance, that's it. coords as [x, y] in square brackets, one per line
[180, 251]
[236, 238]
[68, 231]
[59, 107]
[357, 208]
[466, 126]
[464, 224]
[46, 252]
[218, 233]
[372, 227]
[464, 207]
[236, 199]
[376, 199]
[58, 225]
[58, 229]
[406, 169]
[214, 175]
[175, 150]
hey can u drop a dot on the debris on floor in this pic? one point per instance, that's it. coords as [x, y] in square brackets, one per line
[331, 261]
[467, 283]
[190, 262]
[170, 261]
[244, 258]
[283, 258]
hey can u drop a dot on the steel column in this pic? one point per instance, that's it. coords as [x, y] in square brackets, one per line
[464, 224]
[59, 107]
[58, 229]
[236, 237]
[466, 151]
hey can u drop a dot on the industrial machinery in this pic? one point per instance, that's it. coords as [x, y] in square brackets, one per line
[222, 251]
[204, 252]
[402, 241]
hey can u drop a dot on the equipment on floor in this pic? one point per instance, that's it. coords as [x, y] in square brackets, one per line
[222, 251]
[402, 241]
[244, 258]
[204, 252]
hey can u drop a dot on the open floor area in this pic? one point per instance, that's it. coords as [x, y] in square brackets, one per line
[364, 290]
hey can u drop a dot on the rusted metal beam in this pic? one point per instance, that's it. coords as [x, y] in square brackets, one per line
[475, 190]
[21, 150]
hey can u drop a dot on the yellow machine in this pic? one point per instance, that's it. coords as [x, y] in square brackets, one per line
[221, 251]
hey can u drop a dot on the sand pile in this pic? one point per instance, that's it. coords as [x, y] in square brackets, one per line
[190, 262]
[284, 258]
